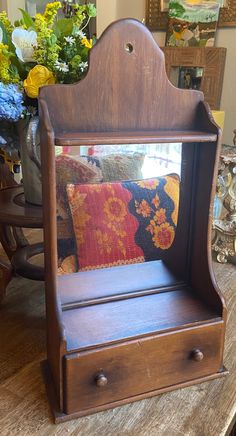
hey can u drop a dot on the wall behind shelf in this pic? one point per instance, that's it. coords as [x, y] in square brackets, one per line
[108, 11]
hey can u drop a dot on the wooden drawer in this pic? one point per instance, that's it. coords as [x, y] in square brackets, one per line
[140, 366]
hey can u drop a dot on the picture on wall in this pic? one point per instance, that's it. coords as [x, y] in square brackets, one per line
[192, 23]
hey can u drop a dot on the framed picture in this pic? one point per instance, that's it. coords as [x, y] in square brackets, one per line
[157, 14]
[228, 15]
[199, 68]
[192, 25]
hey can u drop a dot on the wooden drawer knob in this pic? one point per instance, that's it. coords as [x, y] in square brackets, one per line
[197, 355]
[101, 380]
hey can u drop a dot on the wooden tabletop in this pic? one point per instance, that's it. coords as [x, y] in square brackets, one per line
[15, 211]
[206, 409]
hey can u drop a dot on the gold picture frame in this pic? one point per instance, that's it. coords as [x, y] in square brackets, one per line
[157, 18]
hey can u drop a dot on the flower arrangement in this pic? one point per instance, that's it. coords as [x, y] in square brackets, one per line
[40, 50]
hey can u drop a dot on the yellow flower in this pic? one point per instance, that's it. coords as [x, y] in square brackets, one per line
[38, 76]
[87, 43]
[6, 22]
[51, 11]
[4, 64]
[7, 75]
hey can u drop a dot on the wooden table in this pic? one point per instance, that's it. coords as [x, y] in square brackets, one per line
[15, 214]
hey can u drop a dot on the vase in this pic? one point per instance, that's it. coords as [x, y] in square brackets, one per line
[28, 131]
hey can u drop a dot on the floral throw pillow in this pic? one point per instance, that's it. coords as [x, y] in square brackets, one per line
[123, 222]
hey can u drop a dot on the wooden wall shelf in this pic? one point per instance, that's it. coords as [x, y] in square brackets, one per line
[120, 334]
[106, 138]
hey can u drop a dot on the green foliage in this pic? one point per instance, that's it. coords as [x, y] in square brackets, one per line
[91, 10]
[63, 27]
[75, 61]
[7, 38]
[27, 20]
[62, 46]
[5, 34]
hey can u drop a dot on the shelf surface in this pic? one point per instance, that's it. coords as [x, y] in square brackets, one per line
[114, 304]
[132, 137]
[115, 321]
[87, 287]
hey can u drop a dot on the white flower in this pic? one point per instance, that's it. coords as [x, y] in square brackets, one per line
[24, 41]
[1, 35]
[83, 66]
[80, 34]
[69, 39]
[62, 66]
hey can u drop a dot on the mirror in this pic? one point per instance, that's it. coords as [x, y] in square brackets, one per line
[187, 78]
[116, 204]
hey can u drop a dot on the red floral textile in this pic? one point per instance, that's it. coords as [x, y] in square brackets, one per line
[123, 222]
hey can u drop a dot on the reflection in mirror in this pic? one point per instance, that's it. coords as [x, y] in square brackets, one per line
[186, 77]
[116, 204]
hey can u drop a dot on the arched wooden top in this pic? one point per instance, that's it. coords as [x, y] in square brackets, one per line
[125, 89]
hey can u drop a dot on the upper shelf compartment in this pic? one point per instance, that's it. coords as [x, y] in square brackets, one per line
[132, 137]
[127, 92]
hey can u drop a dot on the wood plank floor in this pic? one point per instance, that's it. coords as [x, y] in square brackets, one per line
[203, 410]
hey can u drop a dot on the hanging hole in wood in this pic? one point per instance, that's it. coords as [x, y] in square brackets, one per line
[129, 47]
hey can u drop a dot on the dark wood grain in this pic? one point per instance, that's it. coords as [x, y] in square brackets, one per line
[165, 136]
[140, 366]
[136, 317]
[56, 345]
[16, 212]
[6, 177]
[23, 398]
[21, 262]
[126, 97]
[82, 287]
[128, 91]
[5, 277]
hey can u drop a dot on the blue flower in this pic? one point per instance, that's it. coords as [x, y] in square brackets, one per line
[11, 102]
